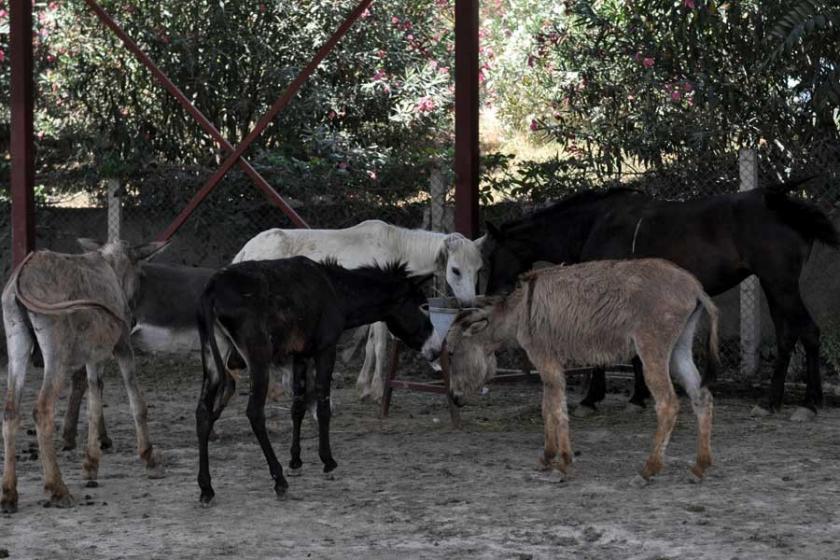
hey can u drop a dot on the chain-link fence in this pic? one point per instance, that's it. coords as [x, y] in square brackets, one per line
[236, 211]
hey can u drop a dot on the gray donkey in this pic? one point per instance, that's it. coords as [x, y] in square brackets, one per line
[78, 309]
[596, 313]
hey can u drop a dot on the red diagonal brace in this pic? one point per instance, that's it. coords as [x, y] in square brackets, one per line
[197, 115]
[278, 106]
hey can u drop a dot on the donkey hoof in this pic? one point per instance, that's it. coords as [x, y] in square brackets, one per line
[63, 501]
[639, 481]
[206, 499]
[695, 474]
[584, 411]
[803, 414]
[759, 411]
[91, 484]
[9, 505]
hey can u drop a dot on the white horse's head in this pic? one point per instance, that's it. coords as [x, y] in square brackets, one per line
[463, 262]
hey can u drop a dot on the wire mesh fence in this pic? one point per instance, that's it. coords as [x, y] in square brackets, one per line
[142, 208]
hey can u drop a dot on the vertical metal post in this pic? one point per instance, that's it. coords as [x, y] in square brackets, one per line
[466, 117]
[23, 160]
[750, 295]
[114, 210]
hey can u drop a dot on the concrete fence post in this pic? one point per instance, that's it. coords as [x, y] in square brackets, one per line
[750, 295]
[114, 209]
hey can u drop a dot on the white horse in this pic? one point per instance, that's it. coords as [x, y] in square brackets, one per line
[371, 241]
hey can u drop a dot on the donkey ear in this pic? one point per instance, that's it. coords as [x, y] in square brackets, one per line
[493, 231]
[88, 244]
[148, 250]
[477, 327]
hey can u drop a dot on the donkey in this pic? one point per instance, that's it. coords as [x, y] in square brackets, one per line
[164, 304]
[424, 252]
[272, 310]
[721, 240]
[78, 307]
[592, 314]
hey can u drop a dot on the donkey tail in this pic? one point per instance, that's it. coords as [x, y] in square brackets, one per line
[808, 220]
[207, 333]
[712, 350]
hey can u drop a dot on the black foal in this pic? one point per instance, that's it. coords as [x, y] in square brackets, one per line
[270, 311]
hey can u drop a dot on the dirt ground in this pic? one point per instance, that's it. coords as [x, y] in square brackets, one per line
[411, 487]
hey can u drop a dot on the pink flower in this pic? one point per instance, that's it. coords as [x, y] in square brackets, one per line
[426, 105]
[688, 4]
[2, 55]
[366, 13]
[53, 6]
[481, 77]
[688, 87]
[395, 20]
[331, 115]
[676, 95]
[343, 165]
[3, 13]
[263, 8]
[534, 125]
[40, 135]
[648, 62]
[443, 70]
[379, 75]
[372, 175]
[50, 58]
[410, 37]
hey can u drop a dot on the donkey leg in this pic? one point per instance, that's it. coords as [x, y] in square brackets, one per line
[555, 419]
[19, 342]
[258, 367]
[78, 386]
[640, 389]
[298, 412]
[44, 415]
[152, 458]
[324, 364]
[685, 370]
[658, 379]
[204, 420]
[93, 454]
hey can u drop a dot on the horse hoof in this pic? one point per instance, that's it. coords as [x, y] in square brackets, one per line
[105, 443]
[584, 411]
[639, 481]
[330, 465]
[214, 435]
[292, 471]
[68, 445]
[91, 484]
[206, 500]
[280, 488]
[803, 414]
[759, 411]
[633, 408]
[63, 502]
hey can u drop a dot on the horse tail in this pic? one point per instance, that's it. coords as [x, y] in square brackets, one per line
[712, 350]
[806, 219]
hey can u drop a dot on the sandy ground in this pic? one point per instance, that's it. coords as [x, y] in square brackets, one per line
[411, 487]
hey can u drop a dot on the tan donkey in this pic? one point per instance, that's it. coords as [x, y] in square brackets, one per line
[596, 313]
[77, 307]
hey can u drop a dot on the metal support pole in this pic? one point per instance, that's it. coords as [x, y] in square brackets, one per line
[22, 149]
[114, 210]
[750, 294]
[466, 117]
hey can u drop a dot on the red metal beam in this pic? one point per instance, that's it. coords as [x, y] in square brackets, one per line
[466, 117]
[197, 115]
[278, 106]
[22, 148]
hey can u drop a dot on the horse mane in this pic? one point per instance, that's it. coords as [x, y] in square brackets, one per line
[393, 270]
[808, 220]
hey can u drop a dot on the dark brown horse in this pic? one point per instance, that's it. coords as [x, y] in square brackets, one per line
[721, 240]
